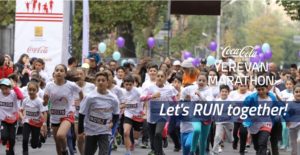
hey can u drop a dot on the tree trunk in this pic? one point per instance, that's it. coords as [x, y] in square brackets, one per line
[125, 30]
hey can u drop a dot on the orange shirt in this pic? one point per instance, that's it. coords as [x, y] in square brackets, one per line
[190, 79]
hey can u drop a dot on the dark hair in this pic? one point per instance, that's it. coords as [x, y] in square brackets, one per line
[120, 67]
[64, 66]
[178, 77]
[284, 72]
[137, 79]
[109, 70]
[128, 78]
[14, 77]
[102, 74]
[152, 65]
[223, 86]
[72, 76]
[214, 70]
[165, 74]
[32, 60]
[36, 84]
[294, 66]
[112, 61]
[203, 74]
[39, 60]
[2, 59]
[72, 60]
[292, 80]
[296, 86]
[20, 61]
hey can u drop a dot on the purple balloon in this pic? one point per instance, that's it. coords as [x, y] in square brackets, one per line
[151, 42]
[120, 42]
[254, 59]
[299, 54]
[196, 62]
[262, 57]
[213, 46]
[268, 54]
[187, 55]
[258, 49]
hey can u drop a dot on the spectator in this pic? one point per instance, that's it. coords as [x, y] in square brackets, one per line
[72, 63]
[23, 69]
[93, 54]
[5, 70]
[293, 70]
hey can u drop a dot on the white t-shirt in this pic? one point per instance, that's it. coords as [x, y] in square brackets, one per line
[166, 94]
[285, 95]
[8, 105]
[32, 109]
[86, 89]
[236, 96]
[98, 110]
[134, 107]
[119, 93]
[40, 95]
[61, 99]
[118, 81]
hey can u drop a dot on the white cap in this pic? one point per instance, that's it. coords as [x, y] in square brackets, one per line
[188, 63]
[176, 63]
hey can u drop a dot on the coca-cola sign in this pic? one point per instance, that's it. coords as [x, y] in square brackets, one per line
[41, 49]
[247, 51]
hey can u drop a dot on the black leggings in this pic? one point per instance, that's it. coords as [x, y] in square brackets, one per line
[243, 136]
[174, 132]
[91, 143]
[8, 135]
[155, 134]
[35, 133]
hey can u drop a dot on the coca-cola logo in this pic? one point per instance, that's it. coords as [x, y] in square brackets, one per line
[247, 51]
[41, 49]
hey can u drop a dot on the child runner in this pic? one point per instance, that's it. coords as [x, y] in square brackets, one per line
[222, 126]
[86, 88]
[285, 95]
[32, 117]
[99, 112]
[294, 127]
[9, 113]
[239, 95]
[133, 112]
[158, 92]
[202, 92]
[61, 94]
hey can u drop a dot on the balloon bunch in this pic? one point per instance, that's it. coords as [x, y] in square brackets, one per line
[263, 53]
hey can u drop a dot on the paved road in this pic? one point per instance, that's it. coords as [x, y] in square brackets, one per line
[49, 149]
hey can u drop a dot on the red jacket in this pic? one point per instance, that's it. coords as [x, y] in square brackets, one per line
[5, 71]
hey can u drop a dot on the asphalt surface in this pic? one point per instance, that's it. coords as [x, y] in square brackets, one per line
[49, 149]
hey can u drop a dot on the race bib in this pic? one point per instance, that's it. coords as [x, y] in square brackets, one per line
[58, 110]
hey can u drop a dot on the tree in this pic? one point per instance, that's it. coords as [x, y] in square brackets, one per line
[109, 19]
[292, 7]
[7, 12]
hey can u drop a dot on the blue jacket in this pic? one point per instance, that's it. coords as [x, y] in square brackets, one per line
[252, 101]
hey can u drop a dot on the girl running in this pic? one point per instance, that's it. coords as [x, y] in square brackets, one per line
[133, 112]
[9, 113]
[99, 112]
[61, 94]
[200, 129]
[158, 92]
[32, 117]
[294, 127]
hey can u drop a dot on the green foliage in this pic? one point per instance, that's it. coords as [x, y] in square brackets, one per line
[7, 12]
[292, 7]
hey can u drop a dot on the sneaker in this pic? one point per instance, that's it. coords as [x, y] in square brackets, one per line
[288, 149]
[248, 146]
[114, 147]
[144, 145]
[234, 146]
[246, 151]
[165, 143]
[132, 147]
[282, 147]
[177, 149]
[220, 149]
[151, 152]
[119, 139]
